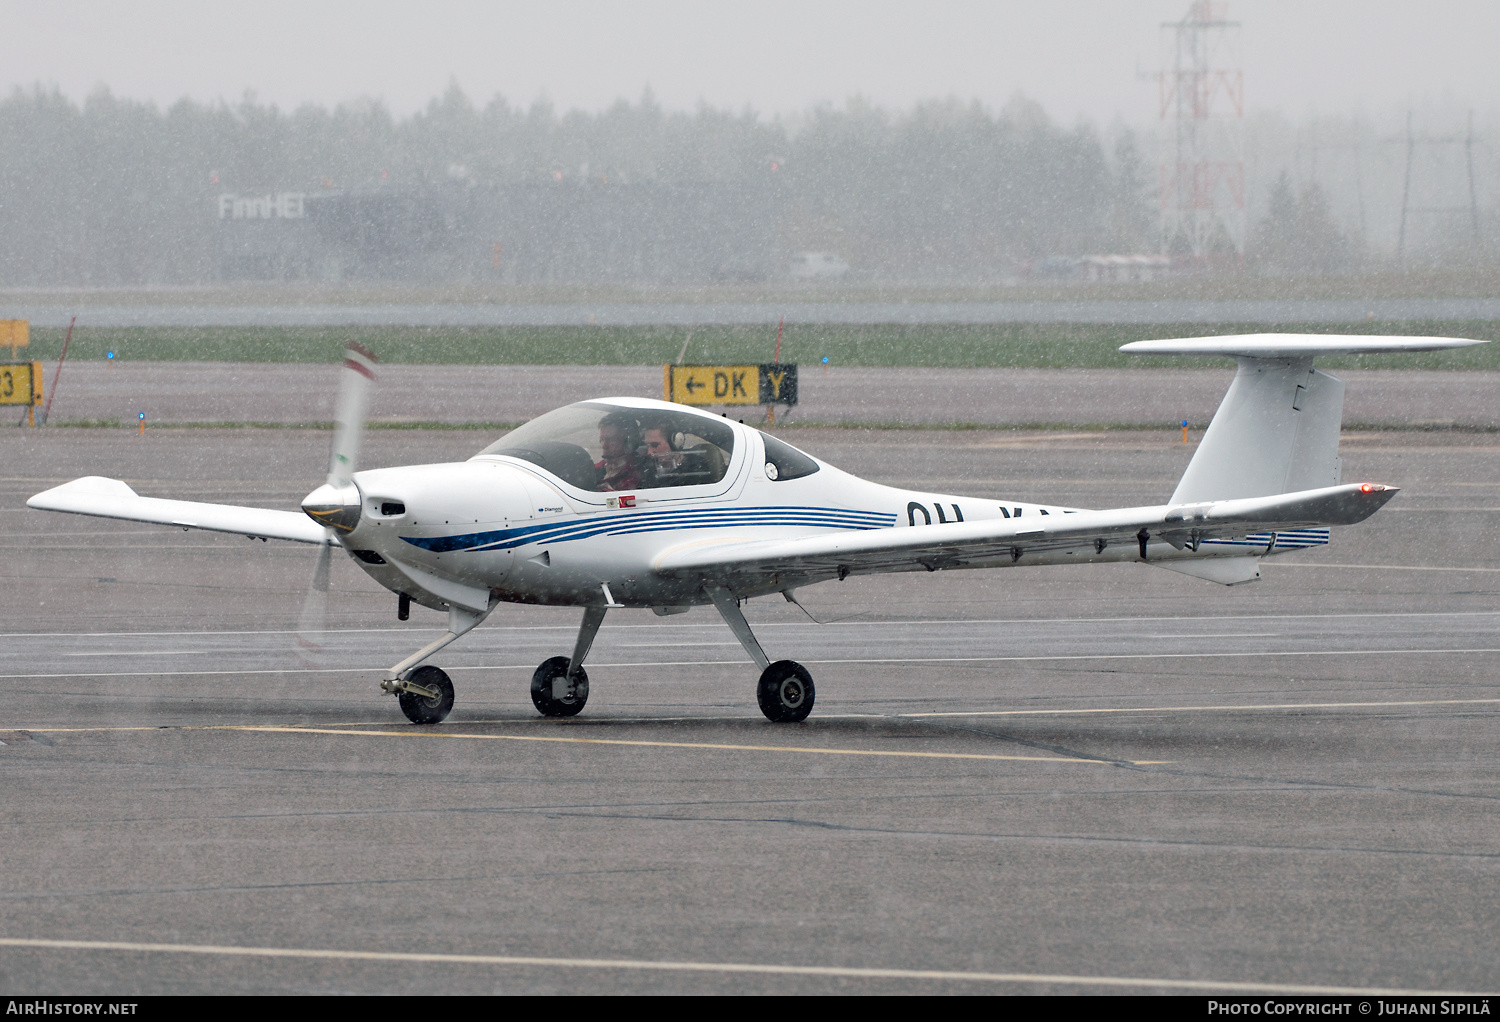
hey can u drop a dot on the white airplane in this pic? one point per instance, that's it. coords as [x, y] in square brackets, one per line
[635, 503]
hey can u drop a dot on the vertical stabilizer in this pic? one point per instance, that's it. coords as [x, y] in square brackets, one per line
[1276, 431]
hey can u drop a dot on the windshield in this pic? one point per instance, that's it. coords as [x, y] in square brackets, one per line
[603, 447]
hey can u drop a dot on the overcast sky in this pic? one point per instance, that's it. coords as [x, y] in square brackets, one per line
[1078, 58]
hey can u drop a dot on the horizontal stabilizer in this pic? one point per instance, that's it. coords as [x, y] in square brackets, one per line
[111, 498]
[1294, 346]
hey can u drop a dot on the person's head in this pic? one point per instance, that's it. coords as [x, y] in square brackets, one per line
[657, 436]
[618, 435]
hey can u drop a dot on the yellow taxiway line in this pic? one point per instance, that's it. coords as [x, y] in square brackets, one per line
[357, 728]
[715, 746]
[646, 965]
[1183, 709]
[1034, 658]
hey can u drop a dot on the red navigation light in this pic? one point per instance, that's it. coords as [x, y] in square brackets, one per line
[1366, 488]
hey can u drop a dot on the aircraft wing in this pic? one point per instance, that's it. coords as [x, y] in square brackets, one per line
[746, 563]
[111, 498]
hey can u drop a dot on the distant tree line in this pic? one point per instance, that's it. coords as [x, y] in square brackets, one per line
[116, 192]
[1299, 233]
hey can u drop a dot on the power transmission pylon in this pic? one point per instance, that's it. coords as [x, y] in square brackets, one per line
[1202, 189]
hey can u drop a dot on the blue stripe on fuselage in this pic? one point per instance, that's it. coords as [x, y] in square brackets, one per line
[655, 521]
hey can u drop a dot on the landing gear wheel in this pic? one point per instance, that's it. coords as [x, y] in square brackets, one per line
[420, 709]
[553, 693]
[785, 692]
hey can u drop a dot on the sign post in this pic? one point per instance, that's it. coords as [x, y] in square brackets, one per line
[769, 383]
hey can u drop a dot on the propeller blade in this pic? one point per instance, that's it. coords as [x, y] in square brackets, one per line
[312, 626]
[349, 420]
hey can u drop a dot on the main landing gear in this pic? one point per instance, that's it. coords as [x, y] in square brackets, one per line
[785, 691]
[560, 686]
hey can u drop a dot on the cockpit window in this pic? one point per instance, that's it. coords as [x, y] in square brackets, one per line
[783, 461]
[603, 447]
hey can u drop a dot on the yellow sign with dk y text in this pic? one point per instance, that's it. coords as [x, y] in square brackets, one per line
[766, 384]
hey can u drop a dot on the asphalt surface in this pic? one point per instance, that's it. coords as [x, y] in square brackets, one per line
[175, 392]
[1073, 779]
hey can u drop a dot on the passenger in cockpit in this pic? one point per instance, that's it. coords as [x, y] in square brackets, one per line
[664, 457]
[679, 458]
[620, 439]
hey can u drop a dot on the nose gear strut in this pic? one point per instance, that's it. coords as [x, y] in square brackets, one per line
[425, 693]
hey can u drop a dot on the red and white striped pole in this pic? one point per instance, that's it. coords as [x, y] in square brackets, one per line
[57, 373]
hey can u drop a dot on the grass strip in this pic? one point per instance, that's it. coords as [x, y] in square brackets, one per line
[786, 427]
[372, 425]
[1004, 345]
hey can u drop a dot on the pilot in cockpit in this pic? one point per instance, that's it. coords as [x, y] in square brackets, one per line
[620, 439]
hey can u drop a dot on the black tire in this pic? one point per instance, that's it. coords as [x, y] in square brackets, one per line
[418, 708]
[542, 683]
[785, 692]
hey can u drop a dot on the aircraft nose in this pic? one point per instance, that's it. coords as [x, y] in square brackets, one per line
[334, 506]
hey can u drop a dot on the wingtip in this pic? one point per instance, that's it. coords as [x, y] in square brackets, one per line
[1374, 496]
[95, 486]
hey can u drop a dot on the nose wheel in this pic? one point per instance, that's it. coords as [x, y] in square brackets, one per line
[429, 697]
[785, 692]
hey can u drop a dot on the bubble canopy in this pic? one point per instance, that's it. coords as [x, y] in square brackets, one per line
[602, 447]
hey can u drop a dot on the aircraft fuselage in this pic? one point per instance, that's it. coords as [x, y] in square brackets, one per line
[505, 526]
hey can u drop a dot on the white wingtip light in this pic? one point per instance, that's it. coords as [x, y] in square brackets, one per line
[1294, 345]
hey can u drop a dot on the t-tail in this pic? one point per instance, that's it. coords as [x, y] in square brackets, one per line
[1277, 429]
